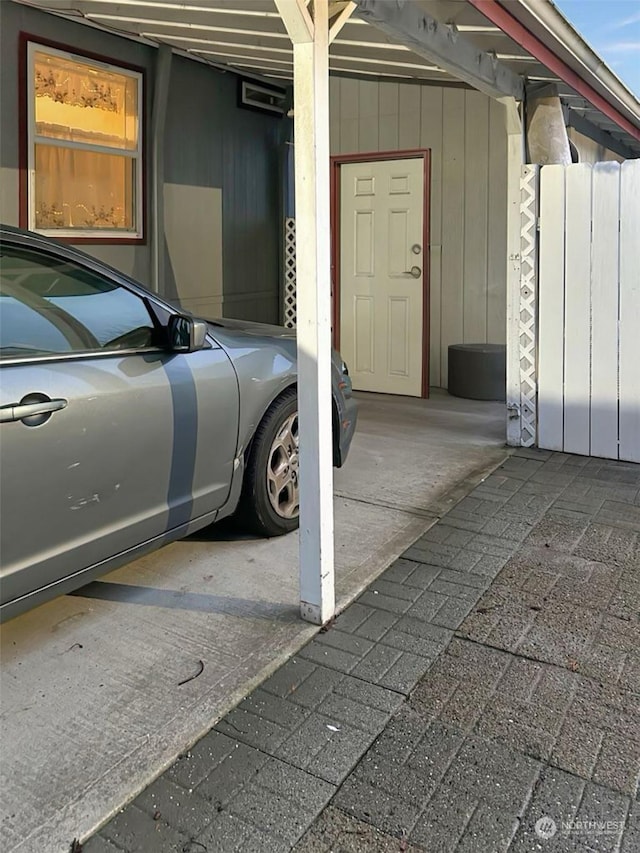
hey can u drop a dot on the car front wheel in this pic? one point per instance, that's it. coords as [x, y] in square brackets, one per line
[270, 502]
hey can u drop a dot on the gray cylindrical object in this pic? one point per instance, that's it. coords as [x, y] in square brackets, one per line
[547, 139]
[478, 371]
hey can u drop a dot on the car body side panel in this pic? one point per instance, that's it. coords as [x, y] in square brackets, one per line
[151, 446]
[69, 583]
[146, 443]
[204, 448]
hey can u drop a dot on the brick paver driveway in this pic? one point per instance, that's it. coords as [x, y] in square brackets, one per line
[483, 695]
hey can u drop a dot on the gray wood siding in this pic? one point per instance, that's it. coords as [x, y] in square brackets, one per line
[212, 149]
[465, 132]
[133, 260]
[211, 143]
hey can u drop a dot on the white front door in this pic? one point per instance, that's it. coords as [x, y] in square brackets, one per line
[382, 261]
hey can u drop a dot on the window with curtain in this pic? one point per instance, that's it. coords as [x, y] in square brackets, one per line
[85, 146]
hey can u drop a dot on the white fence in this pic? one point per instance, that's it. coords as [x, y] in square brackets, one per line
[588, 340]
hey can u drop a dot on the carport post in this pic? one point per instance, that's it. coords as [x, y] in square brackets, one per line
[310, 37]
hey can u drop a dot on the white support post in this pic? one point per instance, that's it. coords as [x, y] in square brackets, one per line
[313, 223]
[515, 161]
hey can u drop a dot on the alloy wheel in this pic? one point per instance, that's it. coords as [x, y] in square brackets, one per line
[283, 481]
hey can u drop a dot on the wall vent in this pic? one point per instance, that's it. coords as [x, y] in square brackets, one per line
[263, 97]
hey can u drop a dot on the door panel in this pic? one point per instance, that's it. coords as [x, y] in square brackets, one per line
[398, 236]
[399, 336]
[363, 335]
[381, 302]
[363, 243]
[145, 443]
[135, 440]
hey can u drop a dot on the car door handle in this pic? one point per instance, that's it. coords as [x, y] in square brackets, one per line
[32, 410]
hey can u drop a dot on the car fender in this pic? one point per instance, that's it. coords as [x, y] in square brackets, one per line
[265, 360]
[265, 368]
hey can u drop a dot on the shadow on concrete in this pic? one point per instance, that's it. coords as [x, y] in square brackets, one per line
[227, 530]
[195, 601]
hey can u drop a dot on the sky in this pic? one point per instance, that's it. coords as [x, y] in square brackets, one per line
[612, 28]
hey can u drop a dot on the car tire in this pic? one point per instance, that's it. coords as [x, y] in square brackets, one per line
[269, 504]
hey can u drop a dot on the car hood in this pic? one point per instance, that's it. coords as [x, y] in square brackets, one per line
[233, 333]
[248, 327]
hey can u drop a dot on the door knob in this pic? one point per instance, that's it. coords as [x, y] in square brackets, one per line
[416, 272]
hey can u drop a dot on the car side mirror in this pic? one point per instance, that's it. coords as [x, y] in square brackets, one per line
[186, 334]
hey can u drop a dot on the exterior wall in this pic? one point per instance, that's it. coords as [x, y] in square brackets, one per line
[222, 188]
[15, 18]
[590, 151]
[218, 158]
[465, 131]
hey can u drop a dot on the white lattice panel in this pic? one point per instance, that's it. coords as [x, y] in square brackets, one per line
[289, 289]
[528, 298]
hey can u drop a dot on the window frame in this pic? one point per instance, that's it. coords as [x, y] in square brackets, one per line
[31, 45]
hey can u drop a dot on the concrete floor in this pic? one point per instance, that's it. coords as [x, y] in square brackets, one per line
[92, 707]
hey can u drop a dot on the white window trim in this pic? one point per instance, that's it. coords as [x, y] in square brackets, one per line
[134, 153]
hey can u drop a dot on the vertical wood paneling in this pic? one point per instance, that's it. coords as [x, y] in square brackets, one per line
[604, 313]
[431, 137]
[453, 224]
[389, 99]
[466, 135]
[334, 114]
[435, 318]
[409, 116]
[551, 308]
[496, 225]
[349, 115]
[476, 159]
[630, 311]
[349, 98]
[369, 116]
[389, 110]
[240, 152]
[577, 332]
[588, 377]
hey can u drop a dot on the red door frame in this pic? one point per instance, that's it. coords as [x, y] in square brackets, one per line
[338, 161]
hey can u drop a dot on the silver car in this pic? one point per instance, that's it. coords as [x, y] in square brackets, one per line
[126, 424]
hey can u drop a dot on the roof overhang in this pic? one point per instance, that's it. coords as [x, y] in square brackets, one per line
[545, 33]
[497, 47]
